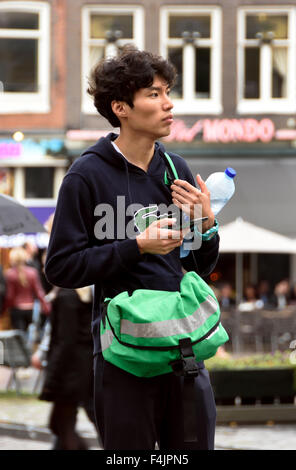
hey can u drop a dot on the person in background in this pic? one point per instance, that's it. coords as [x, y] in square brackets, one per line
[265, 294]
[226, 298]
[32, 255]
[69, 373]
[250, 293]
[250, 299]
[282, 293]
[23, 287]
[34, 260]
[65, 353]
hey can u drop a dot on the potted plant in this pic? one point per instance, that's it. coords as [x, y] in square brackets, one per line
[263, 378]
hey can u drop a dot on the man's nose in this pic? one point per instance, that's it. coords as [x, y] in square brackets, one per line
[168, 104]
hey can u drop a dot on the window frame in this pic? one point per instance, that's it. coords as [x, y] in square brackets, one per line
[87, 106]
[190, 105]
[30, 102]
[60, 170]
[266, 104]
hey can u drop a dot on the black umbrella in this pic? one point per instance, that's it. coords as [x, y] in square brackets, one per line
[16, 218]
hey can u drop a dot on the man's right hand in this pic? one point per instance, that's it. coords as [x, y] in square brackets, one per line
[157, 239]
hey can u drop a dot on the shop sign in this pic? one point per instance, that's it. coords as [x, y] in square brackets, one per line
[229, 130]
[29, 148]
[10, 149]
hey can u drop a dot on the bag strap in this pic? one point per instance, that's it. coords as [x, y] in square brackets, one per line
[169, 176]
[187, 368]
[171, 173]
[186, 365]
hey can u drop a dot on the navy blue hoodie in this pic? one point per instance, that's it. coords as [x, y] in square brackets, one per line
[77, 258]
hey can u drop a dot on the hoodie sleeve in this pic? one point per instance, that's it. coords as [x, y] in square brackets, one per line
[203, 260]
[72, 258]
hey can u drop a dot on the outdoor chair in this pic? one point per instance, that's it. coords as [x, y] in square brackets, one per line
[248, 332]
[284, 330]
[14, 354]
[228, 320]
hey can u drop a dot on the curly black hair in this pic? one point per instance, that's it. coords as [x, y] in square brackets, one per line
[118, 78]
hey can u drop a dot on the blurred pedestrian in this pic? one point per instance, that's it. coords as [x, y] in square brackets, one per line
[250, 300]
[282, 293]
[32, 250]
[226, 297]
[69, 372]
[23, 287]
[250, 293]
[265, 294]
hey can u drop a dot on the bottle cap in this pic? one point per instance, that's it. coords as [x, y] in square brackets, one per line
[230, 172]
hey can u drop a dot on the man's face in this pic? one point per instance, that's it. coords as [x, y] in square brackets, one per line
[151, 114]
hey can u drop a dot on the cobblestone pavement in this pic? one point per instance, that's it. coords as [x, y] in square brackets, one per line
[257, 437]
[244, 438]
[10, 443]
[33, 413]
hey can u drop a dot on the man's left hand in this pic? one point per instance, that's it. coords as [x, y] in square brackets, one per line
[186, 197]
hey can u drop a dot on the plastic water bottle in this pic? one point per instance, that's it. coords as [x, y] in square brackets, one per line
[221, 187]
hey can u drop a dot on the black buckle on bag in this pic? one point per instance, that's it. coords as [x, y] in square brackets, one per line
[186, 366]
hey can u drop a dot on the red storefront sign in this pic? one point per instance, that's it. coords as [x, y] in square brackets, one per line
[238, 130]
[229, 130]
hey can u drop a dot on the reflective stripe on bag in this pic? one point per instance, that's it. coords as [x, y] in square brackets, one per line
[172, 327]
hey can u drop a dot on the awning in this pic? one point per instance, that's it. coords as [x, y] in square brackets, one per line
[241, 236]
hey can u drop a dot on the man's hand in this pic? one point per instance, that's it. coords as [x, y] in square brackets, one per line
[185, 196]
[157, 239]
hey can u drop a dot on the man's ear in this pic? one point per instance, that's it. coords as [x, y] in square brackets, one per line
[119, 108]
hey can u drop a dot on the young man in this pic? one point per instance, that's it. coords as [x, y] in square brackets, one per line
[132, 92]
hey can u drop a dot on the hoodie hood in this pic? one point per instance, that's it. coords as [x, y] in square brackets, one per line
[104, 149]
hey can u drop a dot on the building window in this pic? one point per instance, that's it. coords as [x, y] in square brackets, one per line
[105, 30]
[266, 60]
[39, 183]
[191, 39]
[24, 52]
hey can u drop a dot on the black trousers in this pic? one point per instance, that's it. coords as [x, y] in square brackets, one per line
[20, 319]
[63, 422]
[134, 413]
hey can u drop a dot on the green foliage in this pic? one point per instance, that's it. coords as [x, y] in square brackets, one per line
[17, 395]
[252, 361]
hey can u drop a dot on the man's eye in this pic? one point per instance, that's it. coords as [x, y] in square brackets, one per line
[154, 94]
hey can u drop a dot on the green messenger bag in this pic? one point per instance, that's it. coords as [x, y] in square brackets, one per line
[154, 332]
